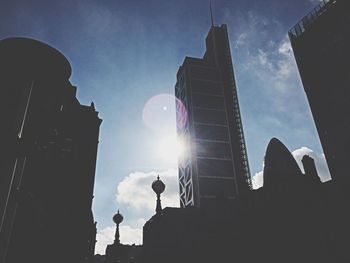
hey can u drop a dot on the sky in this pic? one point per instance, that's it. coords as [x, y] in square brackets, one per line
[125, 55]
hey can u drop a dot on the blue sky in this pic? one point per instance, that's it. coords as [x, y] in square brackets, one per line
[124, 54]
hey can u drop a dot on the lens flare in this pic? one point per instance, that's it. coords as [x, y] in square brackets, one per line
[161, 112]
[171, 149]
[181, 114]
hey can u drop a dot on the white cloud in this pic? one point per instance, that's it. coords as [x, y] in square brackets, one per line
[270, 60]
[285, 48]
[320, 162]
[281, 67]
[274, 65]
[136, 193]
[104, 237]
[135, 190]
[140, 222]
[285, 64]
[258, 180]
[128, 235]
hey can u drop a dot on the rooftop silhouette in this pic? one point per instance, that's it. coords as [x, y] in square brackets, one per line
[49, 143]
[48, 169]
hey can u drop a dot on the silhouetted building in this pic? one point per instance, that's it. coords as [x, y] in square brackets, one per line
[123, 253]
[293, 210]
[194, 234]
[321, 43]
[48, 148]
[292, 220]
[310, 169]
[209, 123]
[118, 252]
[99, 258]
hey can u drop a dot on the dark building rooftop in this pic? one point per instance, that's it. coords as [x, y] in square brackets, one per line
[33, 57]
[307, 20]
[48, 156]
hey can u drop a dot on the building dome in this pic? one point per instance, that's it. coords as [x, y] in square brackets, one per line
[32, 58]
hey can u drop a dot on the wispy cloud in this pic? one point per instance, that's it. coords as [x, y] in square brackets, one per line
[267, 58]
[272, 100]
[275, 68]
[241, 40]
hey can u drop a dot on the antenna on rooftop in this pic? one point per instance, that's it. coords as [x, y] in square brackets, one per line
[211, 14]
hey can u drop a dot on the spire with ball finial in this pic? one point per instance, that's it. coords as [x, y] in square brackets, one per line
[117, 219]
[158, 187]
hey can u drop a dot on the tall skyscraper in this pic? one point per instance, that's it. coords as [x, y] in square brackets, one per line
[321, 42]
[48, 147]
[215, 165]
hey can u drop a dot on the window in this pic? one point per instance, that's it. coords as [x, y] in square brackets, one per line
[219, 168]
[213, 150]
[207, 101]
[208, 87]
[216, 187]
[205, 73]
[207, 132]
[209, 116]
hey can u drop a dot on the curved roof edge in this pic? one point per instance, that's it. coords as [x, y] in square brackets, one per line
[280, 165]
[22, 52]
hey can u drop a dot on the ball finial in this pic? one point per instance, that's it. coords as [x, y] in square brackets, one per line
[158, 186]
[118, 218]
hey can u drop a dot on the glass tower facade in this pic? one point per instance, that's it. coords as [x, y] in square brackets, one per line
[214, 165]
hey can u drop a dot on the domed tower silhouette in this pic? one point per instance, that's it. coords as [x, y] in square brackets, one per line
[118, 252]
[158, 187]
[49, 143]
[117, 219]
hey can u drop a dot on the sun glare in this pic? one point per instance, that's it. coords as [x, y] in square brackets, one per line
[171, 148]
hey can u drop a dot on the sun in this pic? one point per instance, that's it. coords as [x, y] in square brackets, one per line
[171, 148]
